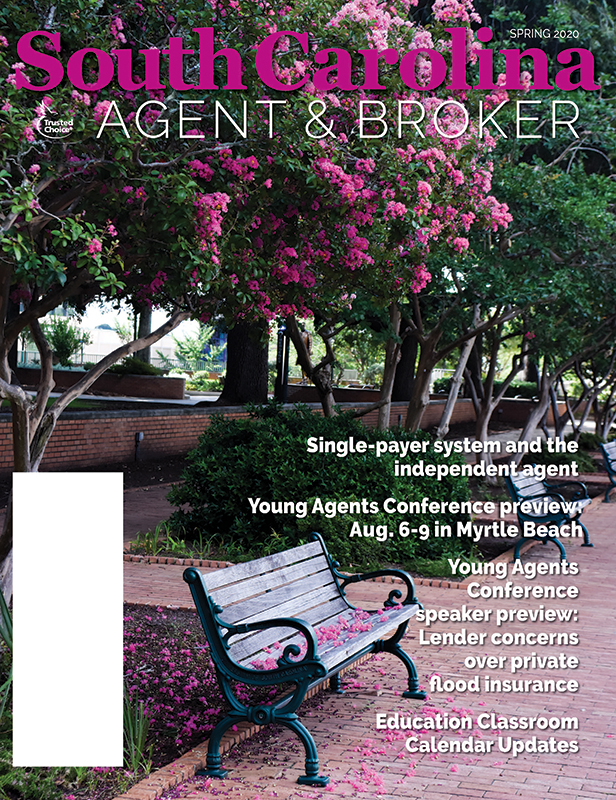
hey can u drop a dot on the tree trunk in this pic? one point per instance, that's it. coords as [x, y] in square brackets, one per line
[454, 391]
[475, 367]
[421, 387]
[405, 371]
[246, 377]
[321, 373]
[481, 430]
[322, 379]
[538, 412]
[145, 327]
[392, 356]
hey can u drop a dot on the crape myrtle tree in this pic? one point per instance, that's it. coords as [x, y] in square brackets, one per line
[196, 208]
[319, 216]
[594, 380]
[558, 250]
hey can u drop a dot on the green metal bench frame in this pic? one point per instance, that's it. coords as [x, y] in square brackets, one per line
[281, 601]
[523, 488]
[609, 460]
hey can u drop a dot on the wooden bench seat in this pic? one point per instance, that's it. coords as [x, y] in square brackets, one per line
[571, 496]
[285, 619]
[608, 452]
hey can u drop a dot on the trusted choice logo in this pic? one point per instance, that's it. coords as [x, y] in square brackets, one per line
[50, 125]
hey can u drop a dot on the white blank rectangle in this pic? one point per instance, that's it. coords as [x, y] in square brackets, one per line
[67, 620]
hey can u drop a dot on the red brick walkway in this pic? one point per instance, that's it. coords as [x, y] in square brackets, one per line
[363, 761]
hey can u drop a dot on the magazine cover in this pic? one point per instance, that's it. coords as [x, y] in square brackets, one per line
[396, 221]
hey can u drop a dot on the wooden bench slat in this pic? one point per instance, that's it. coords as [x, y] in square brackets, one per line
[318, 617]
[312, 606]
[258, 584]
[268, 604]
[332, 654]
[239, 572]
[317, 621]
[313, 617]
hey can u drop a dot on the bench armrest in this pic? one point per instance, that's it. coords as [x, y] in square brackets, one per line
[580, 493]
[539, 497]
[395, 594]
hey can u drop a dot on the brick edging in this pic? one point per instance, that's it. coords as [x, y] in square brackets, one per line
[196, 562]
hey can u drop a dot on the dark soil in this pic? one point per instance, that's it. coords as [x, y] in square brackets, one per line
[145, 473]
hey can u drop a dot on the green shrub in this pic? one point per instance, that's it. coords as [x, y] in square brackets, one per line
[525, 389]
[131, 365]
[200, 381]
[441, 386]
[587, 440]
[266, 457]
[584, 461]
[65, 339]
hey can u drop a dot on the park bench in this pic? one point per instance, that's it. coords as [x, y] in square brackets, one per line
[284, 619]
[609, 460]
[571, 496]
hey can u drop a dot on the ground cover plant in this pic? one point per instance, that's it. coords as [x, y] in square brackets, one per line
[169, 677]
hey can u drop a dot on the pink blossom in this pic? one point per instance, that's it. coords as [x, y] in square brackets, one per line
[393, 210]
[101, 109]
[460, 244]
[116, 27]
[423, 189]
[94, 247]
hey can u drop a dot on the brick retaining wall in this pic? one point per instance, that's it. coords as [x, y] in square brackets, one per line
[90, 438]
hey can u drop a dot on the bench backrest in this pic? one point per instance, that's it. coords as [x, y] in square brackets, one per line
[527, 486]
[609, 451]
[296, 583]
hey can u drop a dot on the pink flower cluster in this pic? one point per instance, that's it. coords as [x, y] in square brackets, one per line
[209, 209]
[375, 16]
[94, 247]
[101, 109]
[243, 168]
[116, 27]
[201, 169]
[455, 11]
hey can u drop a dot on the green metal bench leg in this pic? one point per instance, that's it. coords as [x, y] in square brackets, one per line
[213, 768]
[413, 691]
[312, 777]
[587, 542]
[335, 685]
[392, 646]
[557, 542]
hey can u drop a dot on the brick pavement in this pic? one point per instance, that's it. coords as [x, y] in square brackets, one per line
[363, 761]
